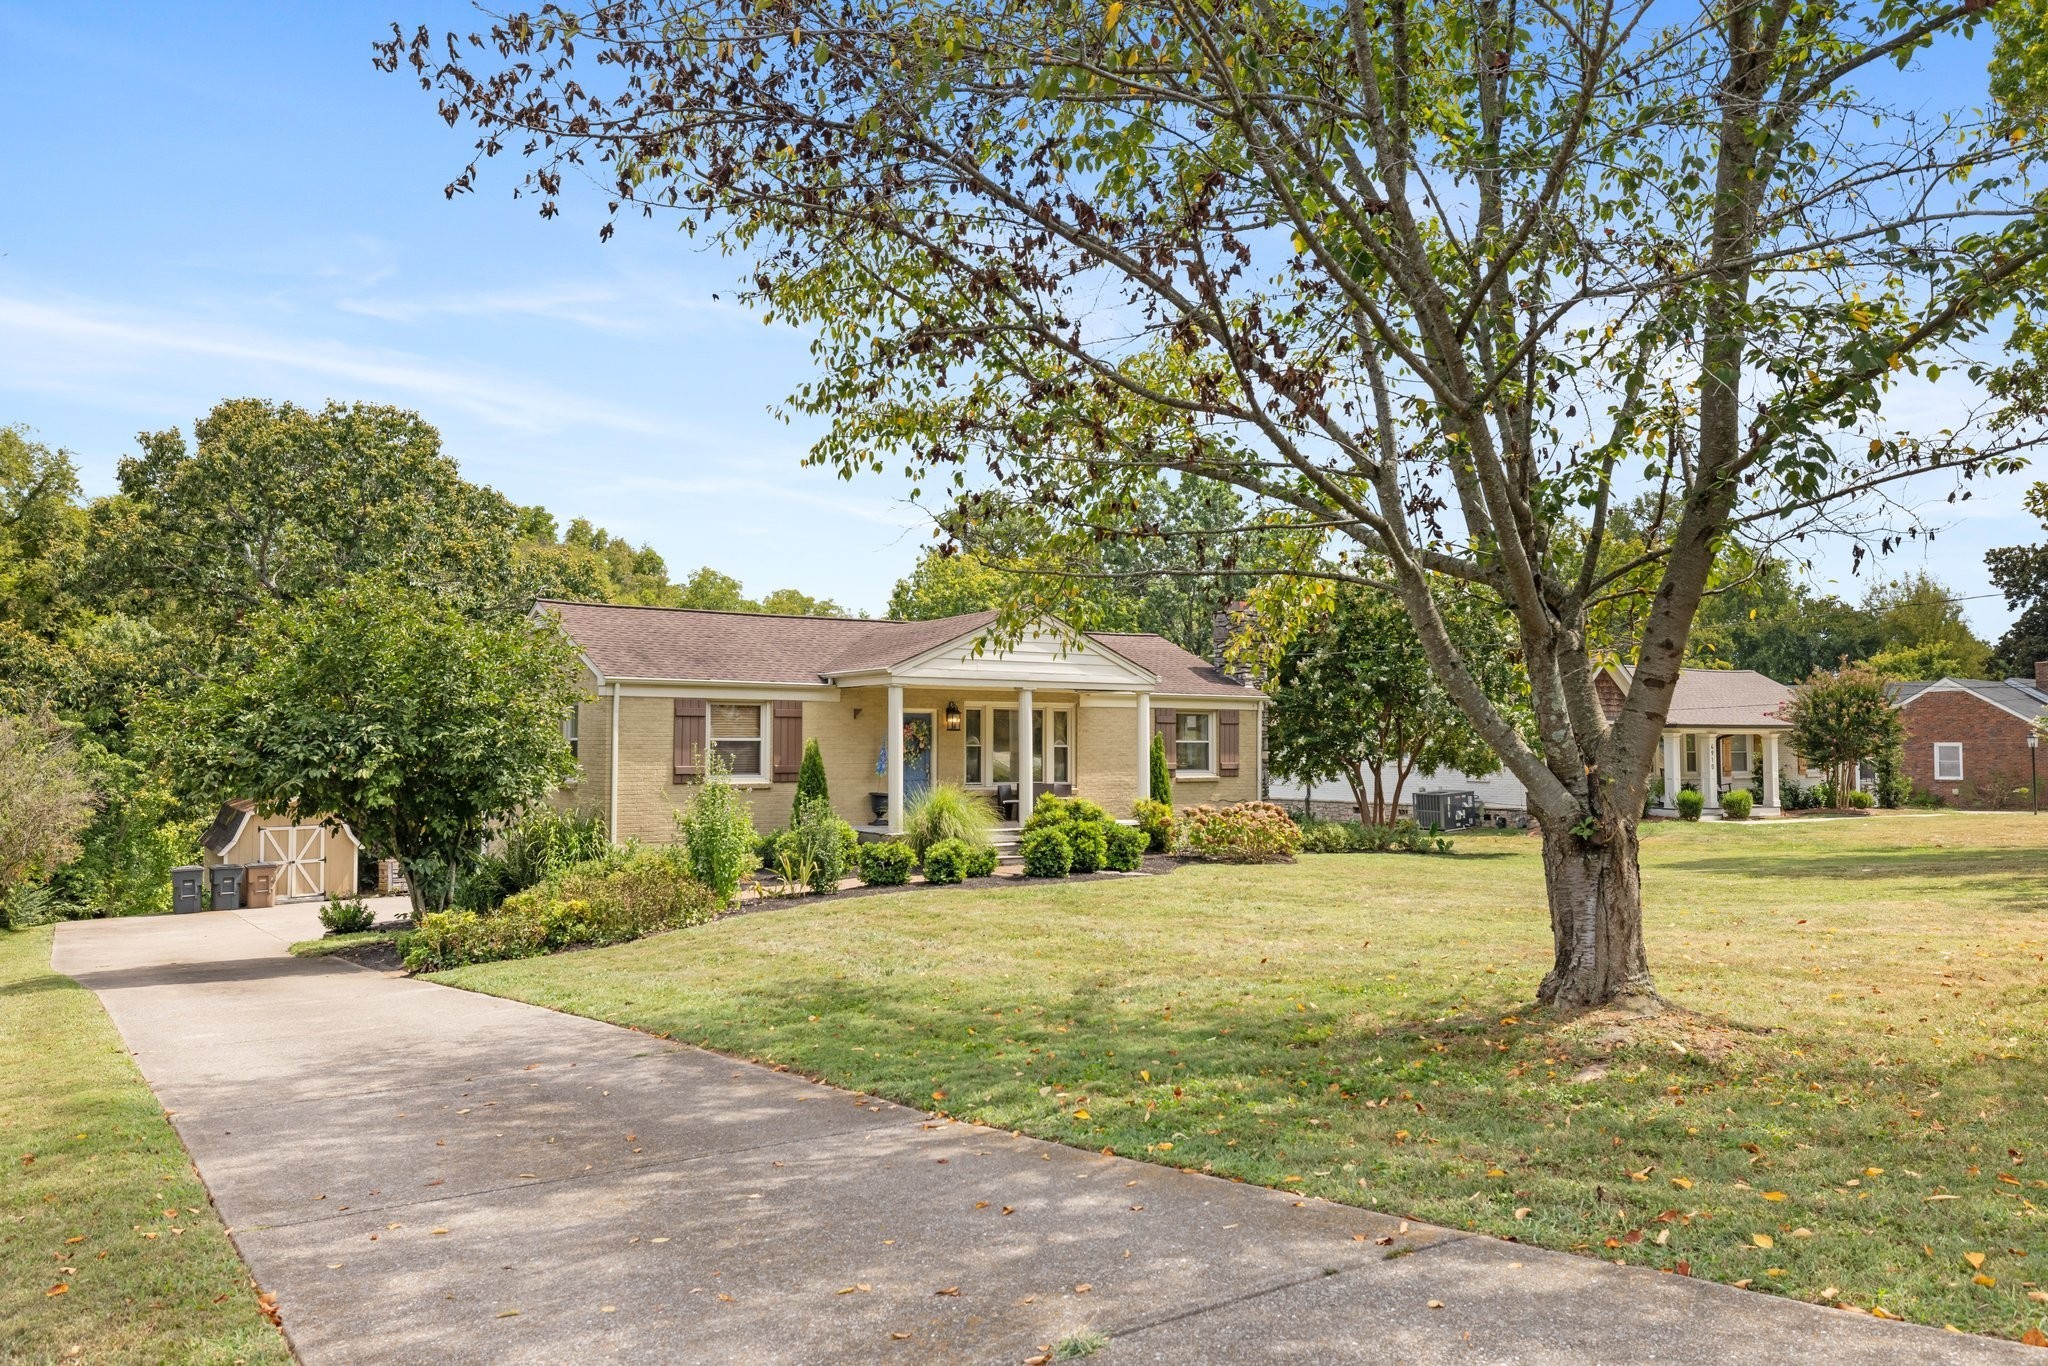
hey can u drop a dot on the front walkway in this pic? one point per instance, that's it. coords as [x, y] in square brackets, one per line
[425, 1175]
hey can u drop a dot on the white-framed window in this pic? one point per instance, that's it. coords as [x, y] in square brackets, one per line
[1002, 727]
[972, 777]
[1051, 728]
[1948, 763]
[1690, 765]
[572, 731]
[1738, 758]
[1194, 734]
[739, 737]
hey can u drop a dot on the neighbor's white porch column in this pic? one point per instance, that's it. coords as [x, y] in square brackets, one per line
[1673, 773]
[892, 745]
[1144, 746]
[1710, 771]
[1771, 768]
[1025, 743]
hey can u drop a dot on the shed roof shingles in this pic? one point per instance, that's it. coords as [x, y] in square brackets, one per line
[676, 644]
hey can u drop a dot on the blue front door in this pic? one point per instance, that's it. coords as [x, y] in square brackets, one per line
[917, 754]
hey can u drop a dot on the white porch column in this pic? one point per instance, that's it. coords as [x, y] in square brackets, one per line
[1710, 771]
[892, 746]
[1771, 769]
[1673, 772]
[1025, 744]
[1144, 746]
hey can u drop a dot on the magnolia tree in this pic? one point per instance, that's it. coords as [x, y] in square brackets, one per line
[1431, 287]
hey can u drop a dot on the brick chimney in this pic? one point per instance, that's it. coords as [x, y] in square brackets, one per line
[2041, 674]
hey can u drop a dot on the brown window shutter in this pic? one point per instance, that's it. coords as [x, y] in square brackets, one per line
[1163, 722]
[1226, 744]
[693, 717]
[789, 741]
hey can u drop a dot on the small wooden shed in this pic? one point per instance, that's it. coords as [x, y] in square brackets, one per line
[314, 859]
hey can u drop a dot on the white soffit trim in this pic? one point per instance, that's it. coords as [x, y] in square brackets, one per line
[1043, 654]
[730, 692]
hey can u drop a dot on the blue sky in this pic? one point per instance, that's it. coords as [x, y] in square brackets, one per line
[212, 200]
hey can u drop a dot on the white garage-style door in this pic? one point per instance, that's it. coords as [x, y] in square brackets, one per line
[300, 852]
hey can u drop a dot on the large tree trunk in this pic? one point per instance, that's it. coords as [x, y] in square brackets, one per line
[1596, 918]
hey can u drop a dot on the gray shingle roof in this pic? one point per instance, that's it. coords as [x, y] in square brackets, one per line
[686, 645]
[1727, 697]
[2014, 694]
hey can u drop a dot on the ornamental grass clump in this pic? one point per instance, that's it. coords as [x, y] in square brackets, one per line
[946, 812]
[1247, 832]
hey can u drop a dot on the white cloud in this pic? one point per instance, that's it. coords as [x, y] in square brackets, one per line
[66, 347]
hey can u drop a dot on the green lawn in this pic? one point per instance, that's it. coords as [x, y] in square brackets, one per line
[1852, 1108]
[109, 1250]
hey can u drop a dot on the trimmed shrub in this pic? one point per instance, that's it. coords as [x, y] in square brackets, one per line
[346, 916]
[716, 831]
[810, 778]
[1090, 842]
[1860, 800]
[1046, 852]
[982, 860]
[1155, 818]
[813, 850]
[886, 863]
[1690, 803]
[1331, 837]
[603, 901]
[945, 812]
[1248, 832]
[1737, 804]
[1161, 786]
[1127, 846]
[946, 861]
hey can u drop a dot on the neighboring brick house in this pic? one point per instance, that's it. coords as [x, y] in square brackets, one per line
[893, 705]
[1966, 738]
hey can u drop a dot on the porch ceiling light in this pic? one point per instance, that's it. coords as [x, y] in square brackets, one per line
[952, 716]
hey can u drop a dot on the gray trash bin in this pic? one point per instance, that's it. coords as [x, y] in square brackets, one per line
[188, 889]
[227, 886]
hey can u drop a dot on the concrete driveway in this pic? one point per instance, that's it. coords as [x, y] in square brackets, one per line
[423, 1174]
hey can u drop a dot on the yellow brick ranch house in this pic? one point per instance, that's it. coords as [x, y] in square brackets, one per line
[894, 706]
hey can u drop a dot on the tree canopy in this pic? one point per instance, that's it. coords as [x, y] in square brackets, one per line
[388, 707]
[1353, 698]
[1422, 285]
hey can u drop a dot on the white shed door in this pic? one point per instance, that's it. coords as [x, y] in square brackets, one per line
[300, 851]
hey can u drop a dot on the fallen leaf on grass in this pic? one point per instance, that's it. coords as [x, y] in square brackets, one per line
[1880, 1312]
[1684, 1183]
[1986, 1281]
[2034, 1337]
[1975, 1259]
[1522, 1213]
[1774, 1195]
[1830, 1292]
[1762, 1240]
[58, 1289]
